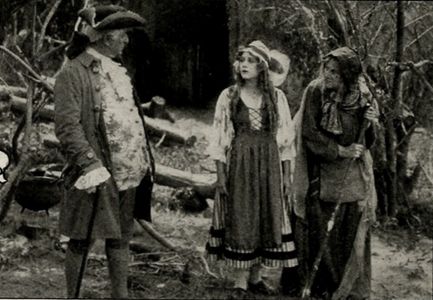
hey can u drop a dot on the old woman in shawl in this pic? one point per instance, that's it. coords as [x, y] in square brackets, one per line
[335, 164]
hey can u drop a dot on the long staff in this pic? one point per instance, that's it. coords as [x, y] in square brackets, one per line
[307, 289]
[88, 242]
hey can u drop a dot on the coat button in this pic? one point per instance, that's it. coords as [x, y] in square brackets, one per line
[97, 108]
[90, 155]
[95, 69]
[98, 87]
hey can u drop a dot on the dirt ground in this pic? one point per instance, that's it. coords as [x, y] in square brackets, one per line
[31, 267]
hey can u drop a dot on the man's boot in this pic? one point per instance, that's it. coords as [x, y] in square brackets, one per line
[73, 260]
[118, 259]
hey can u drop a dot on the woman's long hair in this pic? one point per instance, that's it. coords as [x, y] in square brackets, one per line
[266, 87]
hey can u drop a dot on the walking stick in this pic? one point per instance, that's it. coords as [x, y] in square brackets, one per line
[88, 242]
[330, 225]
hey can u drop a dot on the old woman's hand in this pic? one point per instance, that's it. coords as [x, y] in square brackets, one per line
[372, 114]
[352, 151]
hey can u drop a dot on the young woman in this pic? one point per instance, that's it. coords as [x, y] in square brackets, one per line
[252, 147]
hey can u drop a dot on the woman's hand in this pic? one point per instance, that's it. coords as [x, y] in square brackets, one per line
[287, 186]
[221, 178]
[287, 181]
[352, 151]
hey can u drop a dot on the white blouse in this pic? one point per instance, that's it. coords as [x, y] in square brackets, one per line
[223, 131]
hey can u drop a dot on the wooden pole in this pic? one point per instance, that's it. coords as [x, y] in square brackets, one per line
[394, 160]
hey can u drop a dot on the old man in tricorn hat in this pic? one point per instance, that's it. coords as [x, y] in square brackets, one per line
[100, 126]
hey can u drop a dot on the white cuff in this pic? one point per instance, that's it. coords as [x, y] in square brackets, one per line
[92, 179]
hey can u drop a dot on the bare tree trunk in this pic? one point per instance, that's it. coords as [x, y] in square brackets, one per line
[394, 120]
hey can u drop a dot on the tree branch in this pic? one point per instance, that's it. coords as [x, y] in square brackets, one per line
[26, 66]
[45, 25]
[418, 38]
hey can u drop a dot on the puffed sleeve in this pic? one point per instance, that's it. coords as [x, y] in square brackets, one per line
[223, 132]
[286, 129]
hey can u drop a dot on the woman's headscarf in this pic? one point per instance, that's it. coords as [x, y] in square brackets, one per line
[350, 69]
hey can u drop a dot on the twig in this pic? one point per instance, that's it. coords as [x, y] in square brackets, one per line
[159, 264]
[78, 22]
[154, 253]
[414, 68]
[407, 136]
[373, 40]
[312, 26]
[417, 19]
[54, 40]
[367, 13]
[270, 8]
[45, 25]
[170, 246]
[206, 267]
[34, 30]
[161, 140]
[426, 175]
[26, 66]
[157, 236]
[341, 21]
[54, 50]
[418, 38]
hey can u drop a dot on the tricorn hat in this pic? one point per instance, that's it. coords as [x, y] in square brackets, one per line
[99, 19]
[110, 17]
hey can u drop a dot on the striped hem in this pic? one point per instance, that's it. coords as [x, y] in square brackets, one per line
[284, 256]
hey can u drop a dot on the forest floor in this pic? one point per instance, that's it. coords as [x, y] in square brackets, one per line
[32, 267]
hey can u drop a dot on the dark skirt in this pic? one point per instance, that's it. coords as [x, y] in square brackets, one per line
[252, 224]
[339, 271]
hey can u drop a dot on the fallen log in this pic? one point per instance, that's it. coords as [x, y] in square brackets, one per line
[19, 105]
[13, 90]
[158, 128]
[203, 184]
[155, 108]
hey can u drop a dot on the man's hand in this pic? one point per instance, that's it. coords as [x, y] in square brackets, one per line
[91, 190]
[91, 180]
[352, 151]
